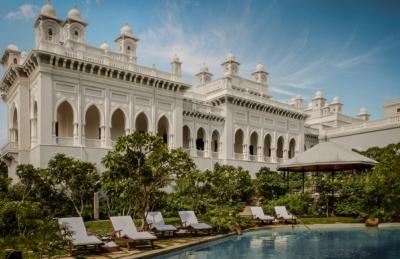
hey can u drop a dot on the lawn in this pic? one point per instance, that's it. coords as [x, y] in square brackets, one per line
[329, 220]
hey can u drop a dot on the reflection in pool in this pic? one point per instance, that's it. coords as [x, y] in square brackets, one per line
[302, 243]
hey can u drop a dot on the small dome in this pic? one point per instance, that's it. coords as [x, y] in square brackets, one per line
[176, 59]
[48, 10]
[12, 47]
[230, 56]
[298, 97]
[335, 100]
[126, 30]
[363, 111]
[74, 14]
[104, 46]
[204, 68]
[259, 68]
[318, 94]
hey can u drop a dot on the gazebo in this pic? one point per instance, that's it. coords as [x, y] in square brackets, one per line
[327, 157]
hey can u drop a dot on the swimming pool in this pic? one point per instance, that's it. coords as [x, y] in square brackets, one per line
[327, 243]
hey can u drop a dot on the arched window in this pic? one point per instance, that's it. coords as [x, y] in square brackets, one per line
[50, 34]
[186, 137]
[92, 123]
[238, 146]
[65, 119]
[215, 141]
[117, 124]
[201, 137]
[279, 149]
[253, 143]
[15, 61]
[163, 128]
[14, 131]
[292, 148]
[267, 146]
[141, 123]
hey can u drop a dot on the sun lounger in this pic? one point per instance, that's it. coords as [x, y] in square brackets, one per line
[125, 230]
[156, 223]
[282, 213]
[189, 220]
[79, 237]
[258, 214]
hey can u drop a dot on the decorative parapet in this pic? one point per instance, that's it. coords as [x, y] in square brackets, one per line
[392, 122]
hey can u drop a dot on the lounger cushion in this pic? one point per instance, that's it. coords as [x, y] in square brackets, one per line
[200, 226]
[127, 228]
[188, 217]
[161, 227]
[281, 212]
[140, 236]
[258, 213]
[78, 229]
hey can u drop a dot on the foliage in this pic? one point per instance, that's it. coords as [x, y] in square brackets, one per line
[382, 185]
[5, 181]
[140, 165]
[77, 180]
[297, 204]
[269, 185]
[225, 218]
[24, 227]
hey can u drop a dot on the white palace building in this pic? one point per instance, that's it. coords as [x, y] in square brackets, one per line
[65, 96]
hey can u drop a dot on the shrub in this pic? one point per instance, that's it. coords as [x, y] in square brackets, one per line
[297, 204]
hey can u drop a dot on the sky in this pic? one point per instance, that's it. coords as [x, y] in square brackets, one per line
[344, 48]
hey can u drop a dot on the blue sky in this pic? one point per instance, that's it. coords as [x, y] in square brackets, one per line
[346, 48]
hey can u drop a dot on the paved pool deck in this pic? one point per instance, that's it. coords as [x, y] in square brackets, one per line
[167, 245]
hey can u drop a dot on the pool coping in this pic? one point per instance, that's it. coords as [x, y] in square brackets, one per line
[174, 248]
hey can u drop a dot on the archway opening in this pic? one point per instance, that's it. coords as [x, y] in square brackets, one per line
[253, 144]
[238, 146]
[200, 140]
[215, 141]
[65, 120]
[92, 123]
[117, 124]
[163, 129]
[14, 133]
[267, 146]
[186, 137]
[292, 148]
[141, 123]
[279, 147]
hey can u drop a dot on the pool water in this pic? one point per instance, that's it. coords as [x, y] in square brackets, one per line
[299, 243]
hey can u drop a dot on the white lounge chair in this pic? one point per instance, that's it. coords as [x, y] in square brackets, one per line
[189, 220]
[156, 223]
[79, 237]
[258, 214]
[125, 230]
[282, 213]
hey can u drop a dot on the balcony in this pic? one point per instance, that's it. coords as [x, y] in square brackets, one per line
[200, 153]
[93, 143]
[267, 159]
[279, 159]
[253, 157]
[65, 141]
[239, 156]
[215, 154]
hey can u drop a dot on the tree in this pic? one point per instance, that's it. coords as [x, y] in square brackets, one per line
[141, 164]
[77, 180]
[269, 185]
[5, 181]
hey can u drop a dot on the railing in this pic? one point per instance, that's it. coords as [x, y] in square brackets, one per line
[200, 153]
[267, 159]
[366, 124]
[65, 141]
[253, 157]
[215, 154]
[279, 159]
[239, 156]
[10, 147]
[93, 142]
[311, 131]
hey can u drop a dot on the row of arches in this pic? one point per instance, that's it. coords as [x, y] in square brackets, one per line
[201, 139]
[253, 148]
[64, 127]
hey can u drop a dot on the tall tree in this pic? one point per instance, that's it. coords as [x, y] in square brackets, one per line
[141, 164]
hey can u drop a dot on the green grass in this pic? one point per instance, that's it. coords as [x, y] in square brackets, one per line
[329, 220]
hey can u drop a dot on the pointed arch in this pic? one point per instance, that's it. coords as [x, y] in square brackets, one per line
[200, 139]
[215, 139]
[267, 145]
[141, 122]
[163, 128]
[292, 148]
[64, 120]
[118, 121]
[253, 143]
[92, 123]
[279, 147]
[186, 136]
[239, 141]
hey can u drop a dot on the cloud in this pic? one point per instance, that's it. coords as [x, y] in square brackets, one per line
[25, 11]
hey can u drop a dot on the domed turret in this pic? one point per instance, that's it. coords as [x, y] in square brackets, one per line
[336, 105]
[335, 100]
[230, 56]
[230, 65]
[48, 10]
[259, 68]
[12, 47]
[204, 76]
[318, 101]
[318, 94]
[260, 75]
[363, 114]
[176, 66]
[105, 46]
[74, 14]
[126, 30]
